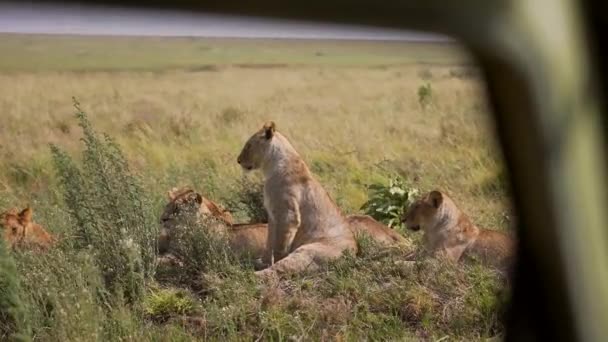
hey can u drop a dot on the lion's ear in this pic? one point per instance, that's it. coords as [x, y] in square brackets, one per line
[436, 198]
[172, 193]
[26, 215]
[269, 129]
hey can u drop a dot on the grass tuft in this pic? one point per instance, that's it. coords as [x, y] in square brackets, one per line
[163, 304]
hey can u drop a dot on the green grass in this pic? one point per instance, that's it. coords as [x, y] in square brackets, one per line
[91, 53]
[179, 110]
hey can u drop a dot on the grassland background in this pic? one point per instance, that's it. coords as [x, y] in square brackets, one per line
[181, 109]
[348, 111]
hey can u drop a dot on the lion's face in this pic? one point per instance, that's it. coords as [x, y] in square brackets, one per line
[423, 211]
[180, 202]
[253, 153]
[13, 228]
[18, 228]
[184, 206]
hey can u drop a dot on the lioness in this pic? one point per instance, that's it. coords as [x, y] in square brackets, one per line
[295, 202]
[249, 238]
[448, 231]
[19, 230]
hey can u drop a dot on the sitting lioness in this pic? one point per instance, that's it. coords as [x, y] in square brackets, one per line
[295, 202]
[19, 230]
[448, 231]
[251, 238]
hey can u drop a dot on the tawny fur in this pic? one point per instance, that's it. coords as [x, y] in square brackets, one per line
[449, 232]
[295, 202]
[244, 238]
[251, 238]
[380, 233]
[19, 230]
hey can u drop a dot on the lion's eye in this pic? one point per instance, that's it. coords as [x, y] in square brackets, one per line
[14, 230]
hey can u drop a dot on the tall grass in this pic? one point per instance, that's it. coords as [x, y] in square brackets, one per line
[13, 325]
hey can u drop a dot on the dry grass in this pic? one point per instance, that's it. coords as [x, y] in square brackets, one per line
[353, 113]
[340, 119]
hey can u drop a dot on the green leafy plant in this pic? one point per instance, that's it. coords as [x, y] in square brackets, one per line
[111, 212]
[425, 95]
[162, 304]
[248, 199]
[388, 202]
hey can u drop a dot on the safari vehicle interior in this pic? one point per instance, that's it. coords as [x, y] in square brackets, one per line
[542, 63]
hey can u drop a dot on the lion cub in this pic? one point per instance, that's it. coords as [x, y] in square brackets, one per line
[295, 202]
[448, 231]
[20, 230]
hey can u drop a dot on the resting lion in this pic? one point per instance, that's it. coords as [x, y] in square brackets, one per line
[20, 230]
[242, 237]
[295, 202]
[251, 238]
[449, 232]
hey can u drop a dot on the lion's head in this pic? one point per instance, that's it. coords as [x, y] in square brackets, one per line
[256, 148]
[19, 228]
[183, 200]
[424, 211]
[186, 201]
[12, 223]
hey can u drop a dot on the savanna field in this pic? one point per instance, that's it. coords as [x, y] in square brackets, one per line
[177, 112]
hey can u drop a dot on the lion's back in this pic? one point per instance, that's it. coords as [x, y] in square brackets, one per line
[366, 225]
[494, 247]
[249, 238]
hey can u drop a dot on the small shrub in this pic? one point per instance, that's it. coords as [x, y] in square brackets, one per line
[387, 202]
[248, 199]
[112, 214]
[425, 95]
